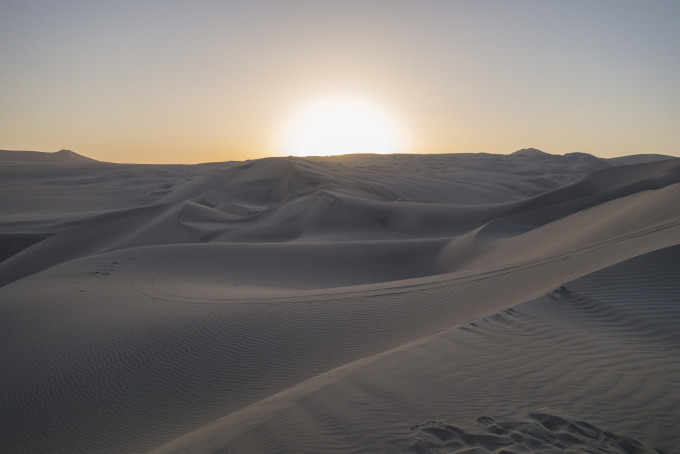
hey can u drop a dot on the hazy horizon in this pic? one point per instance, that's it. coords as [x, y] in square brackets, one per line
[257, 157]
[174, 82]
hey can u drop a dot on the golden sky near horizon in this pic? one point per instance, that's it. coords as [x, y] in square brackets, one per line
[184, 82]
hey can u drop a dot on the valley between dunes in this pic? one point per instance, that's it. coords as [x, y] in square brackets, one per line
[357, 303]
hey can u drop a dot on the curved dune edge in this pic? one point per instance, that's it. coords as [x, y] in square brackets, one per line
[160, 280]
[317, 264]
[601, 348]
[255, 272]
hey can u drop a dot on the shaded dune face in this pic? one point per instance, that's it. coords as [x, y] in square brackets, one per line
[298, 304]
[287, 199]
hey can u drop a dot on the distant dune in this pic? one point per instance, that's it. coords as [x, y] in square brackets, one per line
[61, 156]
[357, 303]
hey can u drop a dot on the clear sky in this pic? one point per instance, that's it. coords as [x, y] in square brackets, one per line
[196, 81]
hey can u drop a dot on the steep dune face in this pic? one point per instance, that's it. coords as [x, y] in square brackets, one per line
[327, 304]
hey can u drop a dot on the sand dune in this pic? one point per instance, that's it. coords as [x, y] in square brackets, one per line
[430, 303]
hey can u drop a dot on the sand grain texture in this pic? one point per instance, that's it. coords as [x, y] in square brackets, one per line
[362, 303]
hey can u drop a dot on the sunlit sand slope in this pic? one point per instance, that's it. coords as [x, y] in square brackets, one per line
[350, 304]
[590, 367]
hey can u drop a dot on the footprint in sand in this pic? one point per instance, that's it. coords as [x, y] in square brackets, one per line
[539, 433]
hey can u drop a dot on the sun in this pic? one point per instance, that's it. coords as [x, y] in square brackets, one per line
[340, 125]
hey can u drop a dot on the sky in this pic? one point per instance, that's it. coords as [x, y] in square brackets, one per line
[200, 81]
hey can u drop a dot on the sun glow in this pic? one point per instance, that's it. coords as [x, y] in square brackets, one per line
[335, 126]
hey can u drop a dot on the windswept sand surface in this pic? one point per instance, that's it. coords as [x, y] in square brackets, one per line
[363, 303]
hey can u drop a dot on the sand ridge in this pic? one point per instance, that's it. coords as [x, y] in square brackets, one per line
[299, 304]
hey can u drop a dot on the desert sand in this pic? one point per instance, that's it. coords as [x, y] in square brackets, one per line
[361, 303]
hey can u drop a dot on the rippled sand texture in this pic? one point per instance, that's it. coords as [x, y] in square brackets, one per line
[363, 303]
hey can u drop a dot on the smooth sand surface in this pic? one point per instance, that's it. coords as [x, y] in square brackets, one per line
[362, 303]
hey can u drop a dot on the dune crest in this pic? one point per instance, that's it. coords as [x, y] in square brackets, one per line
[357, 303]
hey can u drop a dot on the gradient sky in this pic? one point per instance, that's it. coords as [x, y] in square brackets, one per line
[196, 81]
